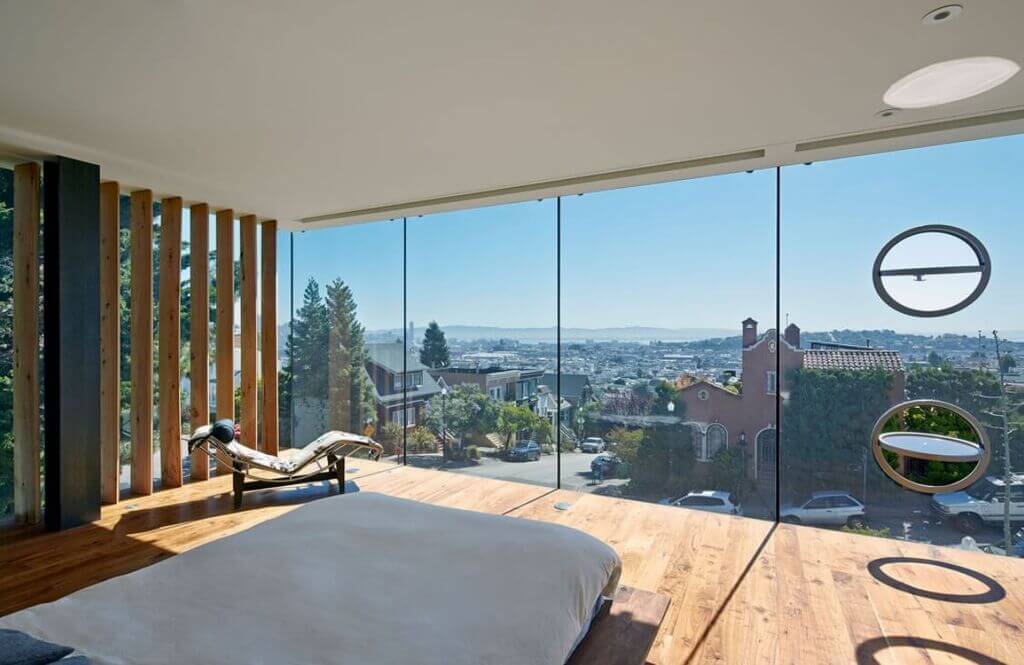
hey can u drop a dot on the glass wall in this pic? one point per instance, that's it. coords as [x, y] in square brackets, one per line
[859, 355]
[668, 342]
[481, 321]
[345, 345]
[625, 343]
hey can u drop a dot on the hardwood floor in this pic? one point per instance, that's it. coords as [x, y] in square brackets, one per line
[743, 590]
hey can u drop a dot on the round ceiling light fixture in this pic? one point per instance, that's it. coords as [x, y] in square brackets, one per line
[943, 14]
[949, 81]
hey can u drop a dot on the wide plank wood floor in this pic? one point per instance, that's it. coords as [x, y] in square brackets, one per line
[743, 590]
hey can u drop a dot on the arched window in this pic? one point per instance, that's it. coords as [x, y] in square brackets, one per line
[715, 440]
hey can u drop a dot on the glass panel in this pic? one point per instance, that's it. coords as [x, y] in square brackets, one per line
[347, 336]
[856, 356]
[482, 294]
[663, 359]
[125, 297]
[6, 342]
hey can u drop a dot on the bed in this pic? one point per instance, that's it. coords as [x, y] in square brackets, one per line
[358, 578]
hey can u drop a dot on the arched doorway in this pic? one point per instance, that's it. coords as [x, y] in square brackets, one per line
[767, 462]
[716, 439]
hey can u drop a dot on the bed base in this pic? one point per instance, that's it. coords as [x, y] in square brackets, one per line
[335, 471]
[623, 631]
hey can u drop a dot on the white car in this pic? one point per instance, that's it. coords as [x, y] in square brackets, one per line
[593, 444]
[981, 503]
[829, 508]
[713, 501]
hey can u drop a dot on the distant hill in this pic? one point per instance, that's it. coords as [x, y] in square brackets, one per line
[625, 334]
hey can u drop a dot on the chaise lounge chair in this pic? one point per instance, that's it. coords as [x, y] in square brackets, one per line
[323, 459]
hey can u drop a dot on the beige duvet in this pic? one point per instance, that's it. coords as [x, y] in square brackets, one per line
[361, 578]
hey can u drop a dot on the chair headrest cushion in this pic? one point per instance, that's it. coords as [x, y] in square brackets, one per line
[223, 431]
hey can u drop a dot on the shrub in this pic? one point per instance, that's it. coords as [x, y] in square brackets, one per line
[421, 440]
[548, 449]
[867, 531]
[472, 452]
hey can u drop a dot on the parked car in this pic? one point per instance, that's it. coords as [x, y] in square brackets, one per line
[593, 444]
[605, 465]
[981, 503]
[828, 508]
[527, 451]
[713, 501]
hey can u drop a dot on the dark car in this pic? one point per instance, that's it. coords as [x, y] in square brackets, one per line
[604, 465]
[527, 451]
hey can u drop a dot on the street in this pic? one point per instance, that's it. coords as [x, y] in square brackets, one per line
[576, 474]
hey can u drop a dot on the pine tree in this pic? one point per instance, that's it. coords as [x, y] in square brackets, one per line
[348, 391]
[306, 367]
[434, 353]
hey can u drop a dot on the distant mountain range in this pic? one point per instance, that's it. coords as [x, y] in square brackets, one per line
[625, 334]
[723, 336]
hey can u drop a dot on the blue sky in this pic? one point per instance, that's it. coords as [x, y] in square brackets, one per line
[694, 254]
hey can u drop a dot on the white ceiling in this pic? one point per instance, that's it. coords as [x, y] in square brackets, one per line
[301, 109]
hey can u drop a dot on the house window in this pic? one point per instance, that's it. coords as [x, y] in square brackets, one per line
[771, 381]
[410, 417]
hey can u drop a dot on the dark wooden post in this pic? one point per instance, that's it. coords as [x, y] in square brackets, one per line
[71, 334]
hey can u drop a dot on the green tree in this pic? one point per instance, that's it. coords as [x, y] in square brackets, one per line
[827, 422]
[434, 353]
[664, 394]
[1007, 362]
[514, 419]
[305, 372]
[464, 411]
[349, 394]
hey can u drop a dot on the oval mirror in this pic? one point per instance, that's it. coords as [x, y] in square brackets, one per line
[930, 446]
[931, 271]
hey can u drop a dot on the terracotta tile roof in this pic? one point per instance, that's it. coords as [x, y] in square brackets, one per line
[853, 359]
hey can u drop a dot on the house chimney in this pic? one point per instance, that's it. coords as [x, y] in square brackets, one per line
[792, 335]
[749, 332]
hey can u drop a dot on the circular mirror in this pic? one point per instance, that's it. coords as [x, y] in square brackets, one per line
[930, 446]
[931, 270]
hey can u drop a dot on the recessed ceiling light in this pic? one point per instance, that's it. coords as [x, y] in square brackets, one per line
[949, 81]
[887, 113]
[942, 14]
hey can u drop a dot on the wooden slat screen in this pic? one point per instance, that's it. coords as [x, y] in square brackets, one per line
[247, 236]
[199, 335]
[142, 341]
[27, 488]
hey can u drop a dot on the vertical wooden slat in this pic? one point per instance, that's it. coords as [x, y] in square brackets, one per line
[247, 237]
[225, 320]
[142, 341]
[268, 335]
[110, 344]
[27, 495]
[170, 343]
[199, 341]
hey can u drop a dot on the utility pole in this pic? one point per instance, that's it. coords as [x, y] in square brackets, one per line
[1000, 413]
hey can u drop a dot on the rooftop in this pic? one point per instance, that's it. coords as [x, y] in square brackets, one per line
[850, 359]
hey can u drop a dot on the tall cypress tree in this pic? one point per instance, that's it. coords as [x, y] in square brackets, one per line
[349, 395]
[306, 367]
[434, 353]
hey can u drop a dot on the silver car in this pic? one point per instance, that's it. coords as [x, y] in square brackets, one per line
[827, 508]
[593, 444]
[712, 501]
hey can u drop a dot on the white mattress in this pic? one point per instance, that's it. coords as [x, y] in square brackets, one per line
[361, 578]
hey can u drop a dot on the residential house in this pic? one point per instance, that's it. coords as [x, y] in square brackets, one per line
[399, 377]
